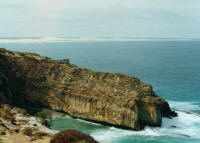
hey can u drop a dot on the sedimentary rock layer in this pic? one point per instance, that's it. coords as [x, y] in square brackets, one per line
[114, 99]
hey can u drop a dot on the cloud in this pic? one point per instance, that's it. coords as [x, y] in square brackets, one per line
[129, 18]
[50, 6]
[11, 6]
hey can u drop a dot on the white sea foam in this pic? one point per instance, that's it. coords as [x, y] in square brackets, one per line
[186, 106]
[82, 39]
[186, 125]
[84, 121]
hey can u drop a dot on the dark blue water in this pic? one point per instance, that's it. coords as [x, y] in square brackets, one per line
[172, 67]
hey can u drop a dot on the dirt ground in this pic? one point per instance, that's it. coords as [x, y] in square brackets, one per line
[20, 138]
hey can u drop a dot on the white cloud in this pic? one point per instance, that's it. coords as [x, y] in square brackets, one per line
[99, 17]
[50, 6]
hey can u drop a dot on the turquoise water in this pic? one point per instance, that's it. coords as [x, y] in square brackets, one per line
[172, 67]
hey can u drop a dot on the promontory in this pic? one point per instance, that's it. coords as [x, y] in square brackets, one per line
[31, 80]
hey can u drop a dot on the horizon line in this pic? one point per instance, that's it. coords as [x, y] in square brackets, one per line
[86, 39]
[113, 37]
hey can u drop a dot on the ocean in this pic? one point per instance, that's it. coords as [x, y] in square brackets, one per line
[172, 67]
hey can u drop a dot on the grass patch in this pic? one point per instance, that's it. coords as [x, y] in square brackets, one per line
[41, 115]
[28, 131]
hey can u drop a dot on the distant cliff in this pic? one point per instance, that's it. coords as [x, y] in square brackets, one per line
[114, 99]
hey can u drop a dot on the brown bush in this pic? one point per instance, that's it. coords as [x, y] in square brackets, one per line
[72, 136]
[41, 134]
[28, 131]
[3, 133]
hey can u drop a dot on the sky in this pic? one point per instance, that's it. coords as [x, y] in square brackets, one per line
[100, 18]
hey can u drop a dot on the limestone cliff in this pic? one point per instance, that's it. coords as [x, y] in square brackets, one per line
[114, 99]
[5, 92]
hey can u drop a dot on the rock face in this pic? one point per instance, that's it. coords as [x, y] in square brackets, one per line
[114, 99]
[5, 92]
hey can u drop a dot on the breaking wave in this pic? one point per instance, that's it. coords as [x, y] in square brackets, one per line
[186, 125]
[186, 106]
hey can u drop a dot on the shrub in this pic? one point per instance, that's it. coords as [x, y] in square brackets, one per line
[7, 110]
[16, 130]
[41, 134]
[72, 136]
[2, 50]
[42, 115]
[3, 133]
[13, 121]
[28, 131]
[81, 141]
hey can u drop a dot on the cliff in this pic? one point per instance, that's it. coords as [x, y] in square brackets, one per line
[114, 99]
[5, 92]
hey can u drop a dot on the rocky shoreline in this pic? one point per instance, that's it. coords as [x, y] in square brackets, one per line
[30, 81]
[17, 126]
[17, 122]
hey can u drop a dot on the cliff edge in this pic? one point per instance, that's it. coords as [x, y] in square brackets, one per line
[114, 99]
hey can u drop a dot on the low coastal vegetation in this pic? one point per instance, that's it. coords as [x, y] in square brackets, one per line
[43, 118]
[16, 121]
[72, 136]
[3, 133]
[19, 123]
[41, 115]
[28, 131]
